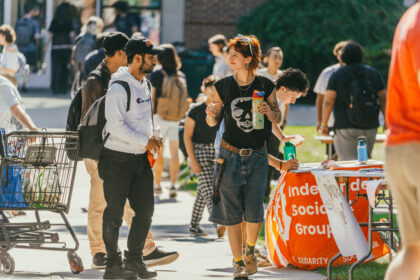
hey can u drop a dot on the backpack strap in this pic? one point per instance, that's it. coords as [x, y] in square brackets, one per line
[127, 90]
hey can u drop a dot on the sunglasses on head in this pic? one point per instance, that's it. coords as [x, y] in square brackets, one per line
[246, 40]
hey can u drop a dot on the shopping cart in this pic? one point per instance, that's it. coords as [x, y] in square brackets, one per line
[37, 174]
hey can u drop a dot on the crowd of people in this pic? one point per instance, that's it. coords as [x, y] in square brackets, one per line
[234, 159]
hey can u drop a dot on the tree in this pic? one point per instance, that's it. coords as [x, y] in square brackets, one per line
[307, 30]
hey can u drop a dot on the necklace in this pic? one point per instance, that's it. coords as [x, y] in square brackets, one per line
[245, 90]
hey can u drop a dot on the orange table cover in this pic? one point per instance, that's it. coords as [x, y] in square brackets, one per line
[297, 229]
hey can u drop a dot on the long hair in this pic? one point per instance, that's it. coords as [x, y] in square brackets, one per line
[242, 45]
[169, 58]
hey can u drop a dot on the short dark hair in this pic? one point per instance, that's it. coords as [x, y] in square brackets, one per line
[169, 58]
[8, 32]
[130, 57]
[114, 42]
[209, 81]
[293, 79]
[352, 53]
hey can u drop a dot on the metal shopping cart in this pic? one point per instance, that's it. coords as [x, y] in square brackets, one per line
[36, 173]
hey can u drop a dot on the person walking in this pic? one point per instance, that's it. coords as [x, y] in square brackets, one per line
[9, 59]
[27, 33]
[357, 93]
[61, 33]
[402, 146]
[124, 166]
[242, 149]
[198, 139]
[95, 87]
[170, 105]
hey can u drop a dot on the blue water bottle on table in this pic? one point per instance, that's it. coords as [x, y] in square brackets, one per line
[362, 155]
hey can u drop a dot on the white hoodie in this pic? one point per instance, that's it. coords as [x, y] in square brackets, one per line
[129, 131]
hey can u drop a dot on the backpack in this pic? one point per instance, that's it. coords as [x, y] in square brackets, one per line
[73, 119]
[364, 106]
[92, 126]
[173, 103]
[84, 45]
[24, 70]
[91, 140]
[24, 32]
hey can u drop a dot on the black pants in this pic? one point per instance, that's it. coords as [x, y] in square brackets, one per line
[126, 176]
[273, 145]
[60, 70]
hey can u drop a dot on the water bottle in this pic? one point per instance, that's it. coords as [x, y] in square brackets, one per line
[257, 117]
[362, 156]
[289, 151]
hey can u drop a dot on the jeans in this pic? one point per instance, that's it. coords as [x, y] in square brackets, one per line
[126, 176]
[242, 188]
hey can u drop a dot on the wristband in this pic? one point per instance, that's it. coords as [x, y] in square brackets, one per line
[324, 125]
[281, 165]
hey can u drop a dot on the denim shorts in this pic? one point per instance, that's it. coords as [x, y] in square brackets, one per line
[242, 188]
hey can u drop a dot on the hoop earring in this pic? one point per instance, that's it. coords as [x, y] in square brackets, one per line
[246, 66]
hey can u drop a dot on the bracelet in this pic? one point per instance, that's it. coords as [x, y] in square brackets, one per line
[324, 125]
[281, 165]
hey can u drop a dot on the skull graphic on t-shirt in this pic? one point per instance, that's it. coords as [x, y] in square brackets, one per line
[242, 113]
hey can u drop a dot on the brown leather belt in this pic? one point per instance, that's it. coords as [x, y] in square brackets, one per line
[241, 152]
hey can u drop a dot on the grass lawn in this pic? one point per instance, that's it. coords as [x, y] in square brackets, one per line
[314, 151]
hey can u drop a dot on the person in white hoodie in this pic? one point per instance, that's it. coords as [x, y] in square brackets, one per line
[124, 166]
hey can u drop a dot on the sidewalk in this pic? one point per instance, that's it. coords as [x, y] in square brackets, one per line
[200, 258]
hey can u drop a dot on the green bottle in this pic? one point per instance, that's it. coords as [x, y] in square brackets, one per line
[289, 151]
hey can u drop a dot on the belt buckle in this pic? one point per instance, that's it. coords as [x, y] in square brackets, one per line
[245, 152]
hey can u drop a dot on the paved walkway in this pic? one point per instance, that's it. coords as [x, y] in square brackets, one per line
[200, 258]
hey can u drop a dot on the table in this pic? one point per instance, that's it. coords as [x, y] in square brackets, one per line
[329, 141]
[298, 231]
[372, 226]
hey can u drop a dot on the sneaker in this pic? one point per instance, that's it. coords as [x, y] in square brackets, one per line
[240, 272]
[99, 261]
[251, 264]
[172, 192]
[220, 231]
[141, 269]
[262, 260]
[159, 257]
[197, 231]
[157, 189]
[119, 271]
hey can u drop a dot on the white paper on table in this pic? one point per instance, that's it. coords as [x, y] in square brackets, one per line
[371, 187]
[346, 231]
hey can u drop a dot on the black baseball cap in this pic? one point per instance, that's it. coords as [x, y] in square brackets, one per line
[140, 45]
[113, 42]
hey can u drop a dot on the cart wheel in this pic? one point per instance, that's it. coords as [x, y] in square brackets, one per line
[8, 263]
[76, 264]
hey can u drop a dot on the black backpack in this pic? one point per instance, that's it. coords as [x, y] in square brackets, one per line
[73, 119]
[90, 129]
[364, 106]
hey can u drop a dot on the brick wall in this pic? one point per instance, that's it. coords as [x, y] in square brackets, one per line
[205, 18]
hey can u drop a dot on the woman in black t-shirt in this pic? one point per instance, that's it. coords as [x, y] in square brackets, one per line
[243, 156]
[199, 138]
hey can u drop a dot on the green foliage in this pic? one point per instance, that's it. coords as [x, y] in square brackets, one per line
[307, 30]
